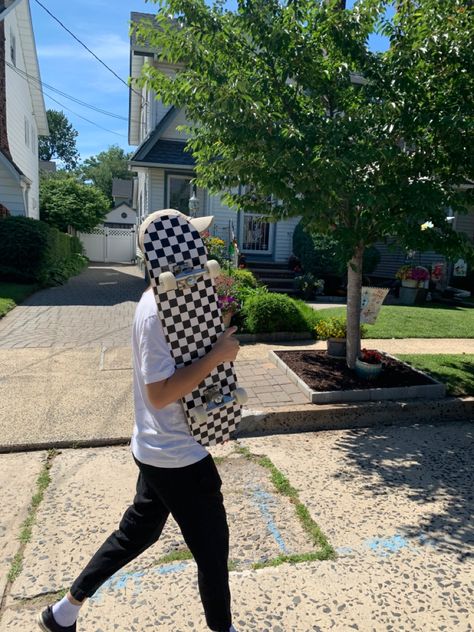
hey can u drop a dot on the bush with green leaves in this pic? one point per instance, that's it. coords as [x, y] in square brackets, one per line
[32, 251]
[244, 278]
[334, 327]
[322, 255]
[66, 202]
[266, 312]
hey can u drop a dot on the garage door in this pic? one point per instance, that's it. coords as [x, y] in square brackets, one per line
[110, 245]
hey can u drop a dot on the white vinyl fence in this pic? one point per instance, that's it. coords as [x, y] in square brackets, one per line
[110, 245]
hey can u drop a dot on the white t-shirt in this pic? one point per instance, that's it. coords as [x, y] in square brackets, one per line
[161, 437]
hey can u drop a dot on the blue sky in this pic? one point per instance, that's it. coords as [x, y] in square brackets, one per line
[103, 26]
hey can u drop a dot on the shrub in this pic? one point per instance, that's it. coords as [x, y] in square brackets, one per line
[335, 327]
[32, 251]
[244, 278]
[266, 312]
[319, 254]
[322, 255]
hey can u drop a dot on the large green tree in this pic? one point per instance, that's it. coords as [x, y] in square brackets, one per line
[287, 98]
[106, 166]
[61, 142]
[65, 201]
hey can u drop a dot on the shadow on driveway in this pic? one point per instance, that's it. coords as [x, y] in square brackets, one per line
[99, 284]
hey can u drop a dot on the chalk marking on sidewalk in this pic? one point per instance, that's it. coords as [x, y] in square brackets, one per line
[119, 582]
[385, 546]
[261, 498]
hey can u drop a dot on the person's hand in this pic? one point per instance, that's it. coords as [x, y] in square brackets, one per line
[226, 348]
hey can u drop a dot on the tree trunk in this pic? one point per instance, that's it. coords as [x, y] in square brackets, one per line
[354, 288]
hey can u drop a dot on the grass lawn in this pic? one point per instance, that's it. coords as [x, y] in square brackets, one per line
[12, 294]
[456, 371]
[426, 321]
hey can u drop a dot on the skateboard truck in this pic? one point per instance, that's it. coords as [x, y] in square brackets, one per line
[183, 277]
[216, 399]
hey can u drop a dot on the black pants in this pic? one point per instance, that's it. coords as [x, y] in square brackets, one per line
[192, 495]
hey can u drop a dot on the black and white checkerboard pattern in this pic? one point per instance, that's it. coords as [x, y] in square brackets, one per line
[191, 319]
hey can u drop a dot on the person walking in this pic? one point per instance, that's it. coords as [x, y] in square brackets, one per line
[176, 475]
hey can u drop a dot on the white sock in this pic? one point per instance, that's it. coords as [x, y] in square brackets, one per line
[65, 613]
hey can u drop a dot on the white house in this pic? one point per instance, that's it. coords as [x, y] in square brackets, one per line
[165, 170]
[22, 111]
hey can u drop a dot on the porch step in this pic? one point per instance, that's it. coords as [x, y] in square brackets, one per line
[275, 276]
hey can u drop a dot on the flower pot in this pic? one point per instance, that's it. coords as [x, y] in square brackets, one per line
[409, 283]
[336, 347]
[227, 318]
[367, 371]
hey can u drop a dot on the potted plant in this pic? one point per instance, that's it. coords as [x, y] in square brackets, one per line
[308, 285]
[413, 276]
[226, 297]
[334, 331]
[369, 364]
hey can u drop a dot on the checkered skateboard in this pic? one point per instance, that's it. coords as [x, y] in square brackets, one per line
[182, 281]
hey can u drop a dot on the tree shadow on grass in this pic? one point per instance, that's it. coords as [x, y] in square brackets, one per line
[457, 375]
[424, 464]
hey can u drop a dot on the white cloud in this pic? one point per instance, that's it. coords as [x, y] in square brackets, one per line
[107, 46]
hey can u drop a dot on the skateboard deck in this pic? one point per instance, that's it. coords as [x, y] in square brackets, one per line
[191, 320]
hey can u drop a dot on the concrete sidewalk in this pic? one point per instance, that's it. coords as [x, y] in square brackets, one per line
[394, 503]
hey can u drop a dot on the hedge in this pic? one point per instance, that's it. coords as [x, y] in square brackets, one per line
[268, 312]
[33, 251]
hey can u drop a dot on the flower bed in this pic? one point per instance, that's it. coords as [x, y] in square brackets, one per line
[324, 379]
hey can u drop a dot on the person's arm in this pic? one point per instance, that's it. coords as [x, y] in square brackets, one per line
[186, 379]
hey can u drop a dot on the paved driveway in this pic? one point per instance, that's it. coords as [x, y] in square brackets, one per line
[92, 309]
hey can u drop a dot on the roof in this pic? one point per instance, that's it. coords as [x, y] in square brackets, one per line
[165, 152]
[6, 6]
[153, 136]
[136, 17]
[122, 188]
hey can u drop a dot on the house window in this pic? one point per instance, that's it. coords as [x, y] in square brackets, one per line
[12, 48]
[33, 138]
[179, 193]
[27, 132]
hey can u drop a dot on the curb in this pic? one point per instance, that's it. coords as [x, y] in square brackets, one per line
[344, 416]
[277, 336]
[309, 418]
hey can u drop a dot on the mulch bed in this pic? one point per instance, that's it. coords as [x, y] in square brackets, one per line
[322, 373]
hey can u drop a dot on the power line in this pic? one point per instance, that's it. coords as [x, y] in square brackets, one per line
[83, 117]
[88, 49]
[25, 75]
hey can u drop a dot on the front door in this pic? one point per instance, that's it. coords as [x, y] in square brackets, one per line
[256, 235]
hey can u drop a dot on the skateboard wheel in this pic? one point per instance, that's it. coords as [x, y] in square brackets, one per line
[241, 396]
[199, 414]
[213, 268]
[167, 281]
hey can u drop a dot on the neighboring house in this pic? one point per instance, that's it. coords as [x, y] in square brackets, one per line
[122, 191]
[121, 216]
[114, 239]
[165, 170]
[22, 111]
